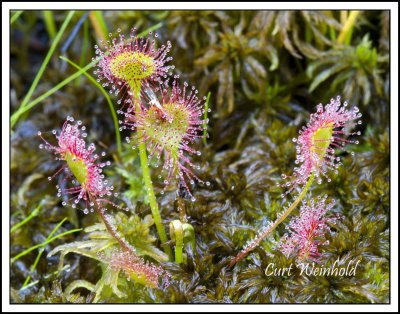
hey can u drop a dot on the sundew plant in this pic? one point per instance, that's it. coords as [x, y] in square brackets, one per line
[199, 157]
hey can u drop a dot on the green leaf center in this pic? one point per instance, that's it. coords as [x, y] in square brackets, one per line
[321, 140]
[77, 166]
[129, 66]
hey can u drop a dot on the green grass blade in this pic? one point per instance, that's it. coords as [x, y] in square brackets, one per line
[33, 267]
[50, 24]
[99, 24]
[27, 251]
[56, 228]
[21, 111]
[41, 250]
[46, 61]
[85, 44]
[110, 104]
[16, 115]
[15, 16]
[23, 222]
[150, 29]
[45, 277]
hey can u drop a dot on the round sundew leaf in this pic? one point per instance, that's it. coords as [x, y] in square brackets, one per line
[167, 127]
[326, 132]
[81, 164]
[132, 65]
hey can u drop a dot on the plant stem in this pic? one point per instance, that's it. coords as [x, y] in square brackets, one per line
[149, 185]
[179, 250]
[113, 231]
[256, 241]
[152, 199]
[176, 232]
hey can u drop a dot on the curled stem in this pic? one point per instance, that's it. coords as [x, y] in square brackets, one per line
[176, 231]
